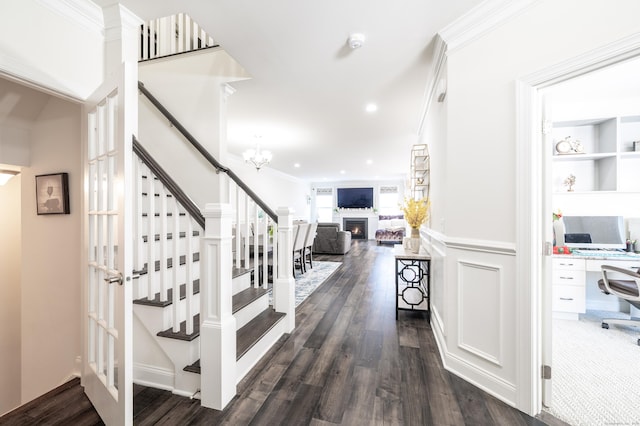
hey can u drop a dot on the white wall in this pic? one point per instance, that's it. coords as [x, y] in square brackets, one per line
[476, 258]
[191, 89]
[50, 254]
[48, 56]
[10, 303]
[275, 188]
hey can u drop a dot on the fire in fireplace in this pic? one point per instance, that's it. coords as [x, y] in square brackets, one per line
[357, 226]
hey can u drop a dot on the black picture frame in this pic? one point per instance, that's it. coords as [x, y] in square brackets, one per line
[52, 193]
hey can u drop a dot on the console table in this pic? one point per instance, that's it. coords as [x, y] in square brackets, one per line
[413, 287]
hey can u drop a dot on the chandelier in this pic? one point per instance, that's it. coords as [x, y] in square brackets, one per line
[257, 157]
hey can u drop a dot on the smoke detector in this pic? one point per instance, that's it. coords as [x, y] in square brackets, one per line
[355, 40]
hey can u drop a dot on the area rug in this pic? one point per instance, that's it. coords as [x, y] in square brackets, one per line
[308, 282]
[596, 372]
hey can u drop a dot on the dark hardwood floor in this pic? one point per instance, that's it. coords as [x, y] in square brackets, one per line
[348, 362]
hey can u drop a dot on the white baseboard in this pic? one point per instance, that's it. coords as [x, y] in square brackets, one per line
[153, 377]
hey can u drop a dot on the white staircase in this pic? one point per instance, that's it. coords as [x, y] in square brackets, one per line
[172, 251]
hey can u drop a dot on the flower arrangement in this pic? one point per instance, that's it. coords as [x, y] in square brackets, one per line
[557, 215]
[416, 212]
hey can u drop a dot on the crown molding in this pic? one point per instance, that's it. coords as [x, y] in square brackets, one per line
[84, 13]
[600, 57]
[438, 60]
[481, 20]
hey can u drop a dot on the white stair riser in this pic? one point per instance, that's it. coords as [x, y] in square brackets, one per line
[240, 283]
[157, 319]
[251, 358]
[249, 312]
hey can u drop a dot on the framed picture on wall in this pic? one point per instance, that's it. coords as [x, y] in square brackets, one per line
[52, 193]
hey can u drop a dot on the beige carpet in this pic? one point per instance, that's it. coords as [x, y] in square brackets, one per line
[596, 372]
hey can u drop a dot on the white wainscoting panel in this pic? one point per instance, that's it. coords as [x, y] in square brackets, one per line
[479, 328]
[474, 289]
[438, 251]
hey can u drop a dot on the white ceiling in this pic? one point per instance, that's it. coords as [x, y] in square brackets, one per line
[307, 96]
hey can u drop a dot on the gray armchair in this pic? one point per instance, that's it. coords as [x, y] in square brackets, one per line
[331, 240]
[625, 286]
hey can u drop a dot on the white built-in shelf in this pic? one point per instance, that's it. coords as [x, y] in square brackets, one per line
[608, 162]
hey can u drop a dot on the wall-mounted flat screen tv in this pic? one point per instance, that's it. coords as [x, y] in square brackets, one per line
[355, 198]
[594, 232]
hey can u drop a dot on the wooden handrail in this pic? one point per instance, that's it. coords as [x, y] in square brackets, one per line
[201, 149]
[166, 180]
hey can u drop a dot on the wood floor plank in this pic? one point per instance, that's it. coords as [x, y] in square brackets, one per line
[333, 402]
[360, 409]
[414, 409]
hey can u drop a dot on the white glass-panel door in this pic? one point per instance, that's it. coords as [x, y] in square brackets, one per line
[107, 356]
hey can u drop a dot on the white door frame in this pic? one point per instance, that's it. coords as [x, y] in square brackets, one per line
[532, 222]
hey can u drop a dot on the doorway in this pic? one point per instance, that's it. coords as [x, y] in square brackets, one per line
[536, 206]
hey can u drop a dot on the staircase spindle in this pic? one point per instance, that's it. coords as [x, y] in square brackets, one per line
[152, 281]
[171, 35]
[238, 240]
[175, 239]
[189, 275]
[245, 233]
[164, 288]
[138, 248]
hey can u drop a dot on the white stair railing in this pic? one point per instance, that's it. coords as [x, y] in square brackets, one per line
[159, 214]
[172, 35]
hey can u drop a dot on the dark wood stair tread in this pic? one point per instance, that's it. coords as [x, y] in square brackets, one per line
[238, 272]
[169, 235]
[182, 334]
[248, 335]
[245, 297]
[157, 302]
[193, 368]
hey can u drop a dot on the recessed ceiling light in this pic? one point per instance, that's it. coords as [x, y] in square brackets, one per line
[342, 172]
[296, 165]
[369, 161]
[371, 107]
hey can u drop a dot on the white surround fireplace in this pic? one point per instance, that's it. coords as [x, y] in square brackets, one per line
[372, 219]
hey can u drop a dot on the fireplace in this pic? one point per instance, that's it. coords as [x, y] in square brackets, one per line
[357, 226]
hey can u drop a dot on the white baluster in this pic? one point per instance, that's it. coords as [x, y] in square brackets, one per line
[152, 280]
[245, 233]
[238, 242]
[163, 245]
[138, 248]
[189, 276]
[175, 239]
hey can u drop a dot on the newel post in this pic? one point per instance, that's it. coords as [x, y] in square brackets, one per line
[217, 323]
[284, 288]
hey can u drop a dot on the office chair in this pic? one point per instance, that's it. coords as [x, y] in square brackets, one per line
[625, 289]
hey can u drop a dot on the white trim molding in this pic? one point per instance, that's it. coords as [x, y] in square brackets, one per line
[530, 217]
[438, 61]
[480, 20]
[84, 13]
[468, 244]
[495, 357]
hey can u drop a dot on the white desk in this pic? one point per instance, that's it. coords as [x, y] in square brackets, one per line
[575, 283]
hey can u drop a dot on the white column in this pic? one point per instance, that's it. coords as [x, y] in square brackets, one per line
[217, 324]
[285, 285]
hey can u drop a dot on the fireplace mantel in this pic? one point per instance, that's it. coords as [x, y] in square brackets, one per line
[369, 214]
